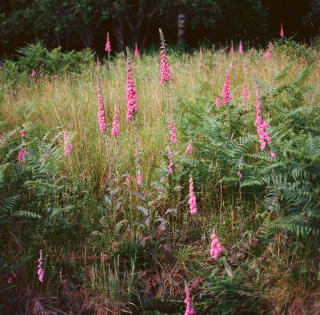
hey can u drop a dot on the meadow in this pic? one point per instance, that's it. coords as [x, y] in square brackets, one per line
[81, 234]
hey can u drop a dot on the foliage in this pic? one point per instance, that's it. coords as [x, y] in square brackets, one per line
[111, 245]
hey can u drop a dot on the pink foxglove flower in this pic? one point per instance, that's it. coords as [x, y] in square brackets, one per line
[240, 48]
[189, 309]
[139, 179]
[189, 147]
[101, 114]
[98, 65]
[232, 48]
[273, 155]
[218, 102]
[67, 145]
[244, 65]
[261, 124]
[215, 248]
[159, 189]
[132, 101]
[21, 154]
[40, 267]
[268, 55]
[128, 178]
[231, 66]
[68, 149]
[115, 125]
[173, 132]
[240, 167]
[9, 280]
[164, 65]
[136, 50]
[170, 164]
[23, 133]
[244, 93]
[281, 30]
[33, 74]
[42, 158]
[108, 45]
[192, 198]
[226, 91]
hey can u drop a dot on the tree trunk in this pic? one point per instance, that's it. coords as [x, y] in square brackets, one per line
[181, 38]
[118, 28]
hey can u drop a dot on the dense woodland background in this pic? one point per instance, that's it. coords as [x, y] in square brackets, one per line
[77, 24]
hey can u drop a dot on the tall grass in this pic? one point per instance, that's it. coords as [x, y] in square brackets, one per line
[129, 248]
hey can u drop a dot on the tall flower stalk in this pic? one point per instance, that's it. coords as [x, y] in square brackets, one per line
[215, 247]
[108, 46]
[226, 91]
[262, 126]
[192, 197]
[232, 48]
[132, 111]
[187, 301]
[103, 125]
[240, 48]
[165, 77]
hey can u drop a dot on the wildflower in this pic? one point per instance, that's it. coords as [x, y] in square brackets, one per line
[115, 125]
[192, 199]
[244, 65]
[173, 132]
[240, 48]
[215, 248]
[23, 133]
[136, 50]
[164, 65]
[267, 55]
[21, 154]
[101, 114]
[240, 167]
[139, 178]
[40, 269]
[232, 48]
[170, 164]
[128, 178]
[231, 66]
[273, 155]
[33, 74]
[281, 30]
[67, 145]
[189, 309]
[131, 90]
[108, 45]
[189, 147]
[98, 64]
[68, 149]
[226, 91]
[10, 280]
[42, 158]
[261, 125]
[244, 93]
[13, 273]
[159, 189]
[218, 102]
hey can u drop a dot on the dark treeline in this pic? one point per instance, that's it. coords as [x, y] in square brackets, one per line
[77, 24]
